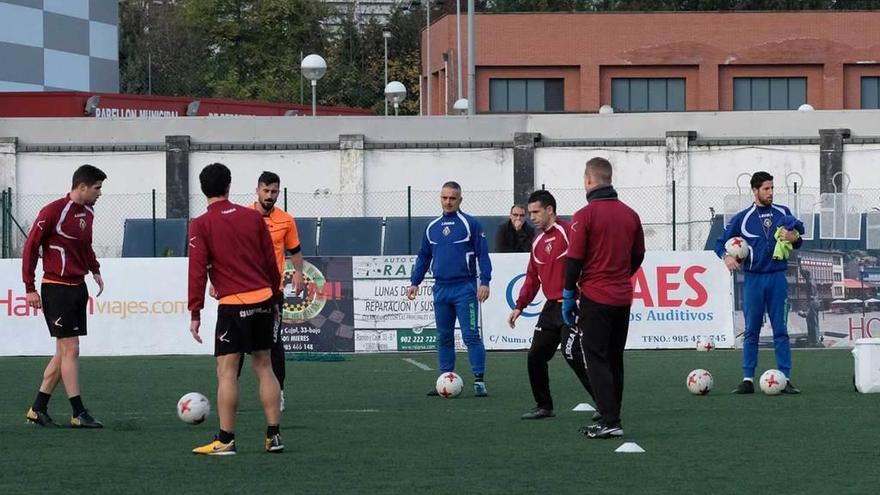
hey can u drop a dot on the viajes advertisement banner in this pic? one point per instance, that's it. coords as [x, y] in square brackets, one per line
[143, 310]
[678, 296]
[322, 319]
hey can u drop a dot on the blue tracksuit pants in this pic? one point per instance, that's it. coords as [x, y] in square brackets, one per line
[459, 300]
[765, 293]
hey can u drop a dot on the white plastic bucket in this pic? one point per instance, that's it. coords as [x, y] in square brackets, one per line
[867, 363]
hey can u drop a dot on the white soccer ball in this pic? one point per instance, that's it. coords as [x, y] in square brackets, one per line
[449, 385]
[737, 247]
[193, 408]
[772, 382]
[699, 382]
[705, 343]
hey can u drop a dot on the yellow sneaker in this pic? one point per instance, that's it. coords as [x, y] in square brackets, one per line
[216, 447]
[40, 418]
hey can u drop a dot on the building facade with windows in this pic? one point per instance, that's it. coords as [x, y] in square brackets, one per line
[660, 62]
[51, 45]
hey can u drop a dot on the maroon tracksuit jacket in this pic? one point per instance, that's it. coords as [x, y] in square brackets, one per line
[64, 230]
[230, 244]
[546, 265]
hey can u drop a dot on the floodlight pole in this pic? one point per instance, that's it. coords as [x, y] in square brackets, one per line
[472, 65]
[314, 99]
[428, 56]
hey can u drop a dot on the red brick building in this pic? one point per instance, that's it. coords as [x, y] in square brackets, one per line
[686, 61]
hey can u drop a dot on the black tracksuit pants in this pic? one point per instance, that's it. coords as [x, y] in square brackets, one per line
[548, 334]
[604, 329]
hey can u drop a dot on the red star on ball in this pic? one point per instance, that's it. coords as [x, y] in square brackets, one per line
[184, 406]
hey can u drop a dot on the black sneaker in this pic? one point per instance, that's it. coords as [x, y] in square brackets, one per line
[538, 413]
[40, 418]
[789, 389]
[597, 416]
[274, 445]
[584, 430]
[601, 430]
[433, 392]
[746, 387]
[85, 420]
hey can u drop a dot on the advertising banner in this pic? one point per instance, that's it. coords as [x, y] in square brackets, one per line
[322, 319]
[678, 296]
[143, 310]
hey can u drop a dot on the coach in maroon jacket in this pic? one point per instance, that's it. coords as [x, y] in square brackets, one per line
[607, 246]
[63, 230]
[546, 272]
[231, 244]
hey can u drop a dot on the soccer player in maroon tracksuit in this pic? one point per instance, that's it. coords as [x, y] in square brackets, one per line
[63, 229]
[231, 244]
[546, 271]
[607, 246]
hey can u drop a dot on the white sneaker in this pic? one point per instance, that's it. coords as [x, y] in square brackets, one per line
[282, 401]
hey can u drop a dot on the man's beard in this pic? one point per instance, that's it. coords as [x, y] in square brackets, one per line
[267, 205]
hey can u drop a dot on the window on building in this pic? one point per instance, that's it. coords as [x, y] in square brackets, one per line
[526, 95]
[647, 95]
[838, 292]
[769, 93]
[838, 277]
[871, 93]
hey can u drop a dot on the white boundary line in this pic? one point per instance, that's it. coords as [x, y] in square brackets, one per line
[417, 364]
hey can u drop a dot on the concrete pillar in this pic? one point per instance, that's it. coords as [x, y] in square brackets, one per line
[351, 174]
[524, 165]
[831, 159]
[679, 211]
[8, 149]
[177, 176]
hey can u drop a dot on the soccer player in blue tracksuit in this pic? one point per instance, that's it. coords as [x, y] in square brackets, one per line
[452, 246]
[765, 286]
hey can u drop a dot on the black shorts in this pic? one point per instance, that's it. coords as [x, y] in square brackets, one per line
[65, 308]
[244, 328]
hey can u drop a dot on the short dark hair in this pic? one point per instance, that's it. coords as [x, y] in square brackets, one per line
[600, 169]
[759, 178]
[451, 185]
[88, 175]
[517, 205]
[544, 197]
[215, 180]
[269, 178]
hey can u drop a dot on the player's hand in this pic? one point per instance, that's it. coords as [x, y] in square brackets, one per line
[33, 300]
[569, 307]
[731, 263]
[194, 330]
[100, 282]
[298, 284]
[790, 235]
[483, 293]
[212, 291]
[511, 320]
[411, 292]
[517, 223]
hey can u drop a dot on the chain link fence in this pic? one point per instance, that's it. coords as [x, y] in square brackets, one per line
[696, 208]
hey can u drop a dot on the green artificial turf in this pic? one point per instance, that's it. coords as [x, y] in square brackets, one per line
[364, 425]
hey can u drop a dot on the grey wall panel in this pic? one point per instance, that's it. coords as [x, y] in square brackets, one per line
[67, 34]
[22, 64]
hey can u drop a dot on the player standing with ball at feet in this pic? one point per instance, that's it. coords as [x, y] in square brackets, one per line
[231, 244]
[453, 245]
[63, 229]
[771, 232]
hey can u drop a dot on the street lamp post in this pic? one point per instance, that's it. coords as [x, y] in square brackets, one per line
[395, 92]
[313, 68]
[862, 279]
[385, 36]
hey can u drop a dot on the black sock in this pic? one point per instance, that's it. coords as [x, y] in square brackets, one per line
[41, 403]
[272, 430]
[225, 436]
[77, 404]
[478, 377]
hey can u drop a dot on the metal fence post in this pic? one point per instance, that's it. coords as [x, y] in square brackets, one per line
[3, 225]
[409, 220]
[155, 242]
[673, 215]
[285, 199]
